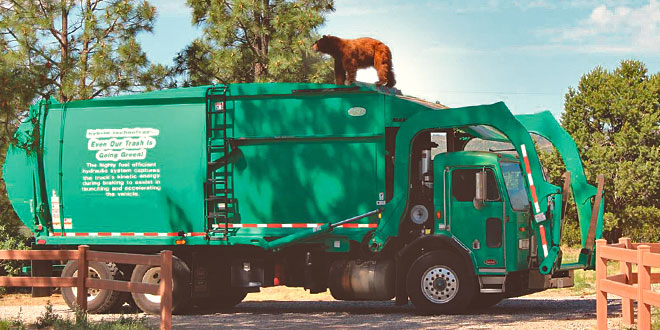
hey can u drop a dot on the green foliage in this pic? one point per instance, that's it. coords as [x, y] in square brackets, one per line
[554, 169]
[72, 50]
[255, 40]
[50, 319]
[614, 117]
[80, 50]
[15, 324]
[11, 239]
[18, 86]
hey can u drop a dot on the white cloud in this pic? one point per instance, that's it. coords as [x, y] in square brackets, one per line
[4, 4]
[350, 8]
[613, 29]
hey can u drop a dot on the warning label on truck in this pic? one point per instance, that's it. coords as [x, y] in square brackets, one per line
[122, 169]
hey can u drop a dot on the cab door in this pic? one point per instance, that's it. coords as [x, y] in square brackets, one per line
[479, 227]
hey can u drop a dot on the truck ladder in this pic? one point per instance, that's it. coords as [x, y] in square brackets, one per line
[220, 204]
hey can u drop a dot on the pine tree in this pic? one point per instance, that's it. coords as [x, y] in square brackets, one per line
[614, 118]
[255, 40]
[70, 50]
[89, 46]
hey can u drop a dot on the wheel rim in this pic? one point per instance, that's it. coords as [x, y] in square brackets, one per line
[91, 293]
[152, 276]
[439, 284]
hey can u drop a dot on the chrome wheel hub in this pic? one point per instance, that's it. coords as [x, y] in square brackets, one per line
[439, 284]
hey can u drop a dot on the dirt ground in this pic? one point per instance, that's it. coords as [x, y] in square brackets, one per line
[287, 308]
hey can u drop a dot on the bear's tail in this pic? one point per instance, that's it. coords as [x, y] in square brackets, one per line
[390, 78]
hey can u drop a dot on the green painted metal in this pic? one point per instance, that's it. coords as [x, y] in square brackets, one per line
[303, 159]
[461, 219]
[545, 125]
[497, 116]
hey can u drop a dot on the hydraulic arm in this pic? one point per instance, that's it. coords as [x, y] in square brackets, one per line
[497, 116]
[546, 126]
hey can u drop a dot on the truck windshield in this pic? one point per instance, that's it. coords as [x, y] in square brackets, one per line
[513, 180]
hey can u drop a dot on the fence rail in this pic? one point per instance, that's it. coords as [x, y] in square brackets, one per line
[626, 284]
[82, 282]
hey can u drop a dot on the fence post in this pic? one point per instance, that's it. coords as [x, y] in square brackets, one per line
[627, 307]
[601, 296]
[165, 290]
[81, 288]
[643, 283]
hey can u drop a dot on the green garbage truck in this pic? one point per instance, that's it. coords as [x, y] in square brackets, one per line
[357, 189]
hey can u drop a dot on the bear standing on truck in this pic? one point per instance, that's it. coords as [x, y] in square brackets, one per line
[353, 54]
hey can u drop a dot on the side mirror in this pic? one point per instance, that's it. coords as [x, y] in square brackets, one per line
[480, 190]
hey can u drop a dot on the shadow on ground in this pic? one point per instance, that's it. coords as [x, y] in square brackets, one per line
[510, 313]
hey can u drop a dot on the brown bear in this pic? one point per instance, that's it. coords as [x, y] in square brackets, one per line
[353, 54]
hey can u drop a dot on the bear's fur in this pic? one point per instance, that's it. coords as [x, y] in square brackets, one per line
[353, 54]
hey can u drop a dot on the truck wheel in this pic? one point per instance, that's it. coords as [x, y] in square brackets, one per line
[222, 300]
[230, 298]
[125, 272]
[485, 300]
[98, 301]
[440, 283]
[149, 303]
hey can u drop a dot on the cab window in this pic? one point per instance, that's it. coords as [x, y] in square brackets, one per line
[463, 183]
[515, 186]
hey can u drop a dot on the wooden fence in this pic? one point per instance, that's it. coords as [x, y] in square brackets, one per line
[82, 282]
[623, 284]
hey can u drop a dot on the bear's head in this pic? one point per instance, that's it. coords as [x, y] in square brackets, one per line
[327, 44]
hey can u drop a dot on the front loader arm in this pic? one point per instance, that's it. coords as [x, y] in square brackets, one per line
[545, 125]
[496, 115]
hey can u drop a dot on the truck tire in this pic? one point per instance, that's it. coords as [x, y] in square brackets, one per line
[222, 300]
[126, 272]
[98, 301]
[440, 283]
[180, 286]
[230, 298]
[485, 300]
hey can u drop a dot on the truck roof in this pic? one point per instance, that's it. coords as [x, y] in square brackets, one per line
[198, 93]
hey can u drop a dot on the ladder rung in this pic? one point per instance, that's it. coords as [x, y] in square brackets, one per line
[219, 199]
[212, 112]
[217, 181]
[216, 215]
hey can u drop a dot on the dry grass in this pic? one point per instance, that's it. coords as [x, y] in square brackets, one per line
[282, 293]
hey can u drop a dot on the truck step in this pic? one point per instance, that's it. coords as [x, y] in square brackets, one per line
[219, 199]
[221, 128]
[215, 149]
[491, 284]
[218, 238]
[216, 215]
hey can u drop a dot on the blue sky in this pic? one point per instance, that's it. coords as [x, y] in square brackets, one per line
[525, 53]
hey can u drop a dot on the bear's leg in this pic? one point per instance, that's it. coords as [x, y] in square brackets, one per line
[351, 70]
[382, 66]
[340, 73]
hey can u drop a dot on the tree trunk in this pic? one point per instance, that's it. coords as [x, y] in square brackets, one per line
[84, 56]
[262, 40]
[64, 39]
